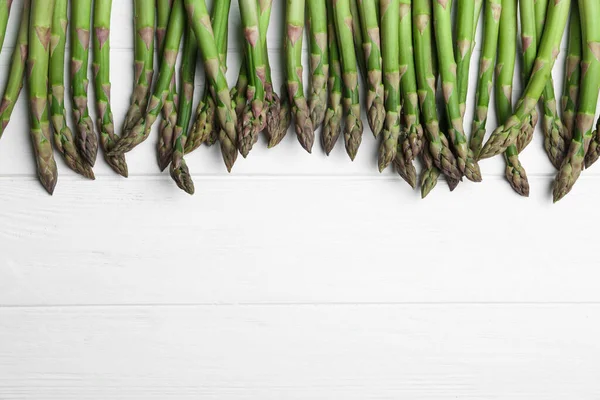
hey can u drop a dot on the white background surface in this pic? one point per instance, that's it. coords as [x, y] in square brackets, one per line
[298, 276]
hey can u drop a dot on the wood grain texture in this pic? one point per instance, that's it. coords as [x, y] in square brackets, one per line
[296, 277]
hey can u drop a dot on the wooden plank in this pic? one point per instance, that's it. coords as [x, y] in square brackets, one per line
[293, 240]
[301, 352]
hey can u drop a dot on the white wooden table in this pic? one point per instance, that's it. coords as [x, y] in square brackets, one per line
[296, 277]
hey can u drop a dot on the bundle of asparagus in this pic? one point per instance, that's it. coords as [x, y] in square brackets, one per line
[401, 49]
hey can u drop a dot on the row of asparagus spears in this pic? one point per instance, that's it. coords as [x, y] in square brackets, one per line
[412, 56]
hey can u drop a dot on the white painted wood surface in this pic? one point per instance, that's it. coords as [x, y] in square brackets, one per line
[296, 277]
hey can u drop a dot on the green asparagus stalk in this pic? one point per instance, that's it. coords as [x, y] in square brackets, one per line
[357, 37]
[588, 99]
[413, 132]
[376, 112]
[81, 17]
[101, 67]
[141, 129]
[332, 126]
[505, 69]
[507, 134]
[179, 170]
[493, 10]
[319, 60]
[406, 169]
[422, 38]
[529, 49]
[16, 72]
[463, 48]
[205, 128]
[169, 109]
[430, 173]
[390, 10]
[571, 80]
[293, 63]
[200, 22]
[556, 136]
[353, 127]
[254, 116]
[144, 61]
[5, 6]
[38, 68]
[63, 137]
[275, 131]
[448, 68]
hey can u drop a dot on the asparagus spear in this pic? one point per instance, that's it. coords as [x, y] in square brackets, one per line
[332, 126]
[204, 125]
[408, 86]
[353, 127]
[507, 134]
[588, 99]
[371, 45]
[5, 6]
[179, 170]
[144, 61]
[294, 20]
[422, 39]
[37, 67]
[505, 69]
[529, 49]
[572, 73]
[319, 60]
[169, 110]
[443, 34]
[17, 69]
[493, 10]
[276, 128]
[430, 173]
[390, 10]
[200, 22]
[87, 142]
[254, 116]
[556, 137]
[101, 66]
[357, 37]
[463, 48]
[63, 137]
[141, 129]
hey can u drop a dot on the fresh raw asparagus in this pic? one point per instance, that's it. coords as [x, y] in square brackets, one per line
[430, 173]
[572, 74]
[254, 116]
[81, 19]
[169, 110]
[492, 12]
[37, 68]
[588, 99]
[294, 30]
[357, 37]
[16, 72]
[423, 39]
[141, 129]
[371, 46]
[319, 60]
[332, 126]
[353, 127]
[390, 10]
[5, 6]
[205, 129]
[548, 50]
[145, 16]
[505, 69]
[179, 170]
[447, 64]
[412, 145]
[102, 86]
[529, 50]
[200, 22]
[556, 136]
[63, 137]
